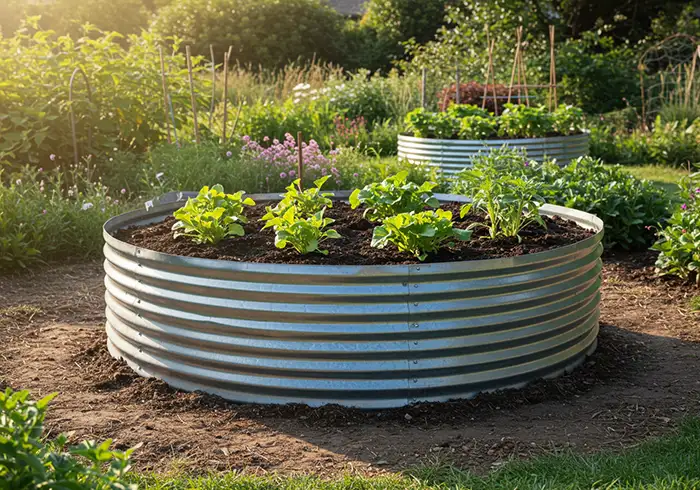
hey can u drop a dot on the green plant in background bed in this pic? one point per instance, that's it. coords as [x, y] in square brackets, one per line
[212, 216]
[305, 234]
[394, 195]
[418, 233]
[510, 202]
[28, 461]
[520, 121]
[477, 127]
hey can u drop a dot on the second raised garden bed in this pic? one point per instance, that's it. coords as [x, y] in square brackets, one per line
[369, 336]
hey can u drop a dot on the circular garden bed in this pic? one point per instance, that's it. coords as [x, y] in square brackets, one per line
[359, 327]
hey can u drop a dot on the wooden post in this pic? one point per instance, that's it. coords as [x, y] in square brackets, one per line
[486, 84]
[689, 84]
[165, 93]
[213, 85]
[457, 84]
[423, 83]
[223, 135]
[493, 76]
[552, 101]
[172, 115]
[192, 97]
[515, 62]
[300, 166]
[235, 121]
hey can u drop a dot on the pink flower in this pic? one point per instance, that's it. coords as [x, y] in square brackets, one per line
[684, 207]
[356, 175]
[683, 230]
[41, 169]
[266, 138]
[283, 175]
[52, 157]
[292, 173]
[229, 154]
[44, 212]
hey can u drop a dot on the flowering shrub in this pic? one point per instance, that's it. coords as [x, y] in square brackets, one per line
[418, 233]
[47, 214]
[350, 133]
[280, 161]
[212, 216]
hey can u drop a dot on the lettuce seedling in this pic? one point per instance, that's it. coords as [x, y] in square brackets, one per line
[304, 234]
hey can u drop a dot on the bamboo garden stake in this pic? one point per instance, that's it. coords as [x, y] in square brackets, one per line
[223, 135]
[213, 85]
[192, 96]
[300, 169]
[165, 93]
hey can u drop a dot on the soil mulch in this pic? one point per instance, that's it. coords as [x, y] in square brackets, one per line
[353, 248]
[640, 382]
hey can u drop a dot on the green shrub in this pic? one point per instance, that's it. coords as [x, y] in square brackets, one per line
[263, 33]
[126, 111]
[212, 216]
[28, 461]
[626, 205]
[47, 215]
[418, 233]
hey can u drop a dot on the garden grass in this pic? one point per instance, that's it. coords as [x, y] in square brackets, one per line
[664, 177]
[668, 463]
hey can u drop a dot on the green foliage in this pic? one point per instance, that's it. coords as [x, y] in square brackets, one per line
[521, 121]
[596, 73]
[263, 33]
[626, 205]
[477, 128]
[47, 215]
[394, 195]
[674, 144]
[212, 216]
[28, 462]
[516, 121]
[126, 108]
[418, 233]
[511, 202]
[678, 245]
[305, 234]
[306, 202]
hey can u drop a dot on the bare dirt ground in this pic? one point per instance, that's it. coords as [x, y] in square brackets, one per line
[640, 382]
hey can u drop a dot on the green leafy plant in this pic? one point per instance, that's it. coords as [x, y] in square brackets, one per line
[27, 461]
[678, 245]
[477, 127]
[568, 119]
[460, 111]
[510, 202]
[418, 233]
[212, 216]
[304, 234]
[424, 124]
[306, 202]
[394, 195]
[520, 121]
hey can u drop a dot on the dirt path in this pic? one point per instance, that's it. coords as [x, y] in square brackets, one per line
[640, 382]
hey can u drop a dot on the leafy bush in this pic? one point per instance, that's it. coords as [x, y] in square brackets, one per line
[678, 240]
[28, 462]
[418, 233]
[47, 215]
[394, 195]
[263, 33]
[626, 205]
[510, 202]
[517, 121]
[304, 234]
[126, 108]
[400, 20]
[212, 216]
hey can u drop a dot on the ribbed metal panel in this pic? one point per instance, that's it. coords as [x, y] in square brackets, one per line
[451, 156]
[365, 336]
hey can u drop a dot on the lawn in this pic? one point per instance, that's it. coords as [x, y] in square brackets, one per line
[669, 463]
[665, 177]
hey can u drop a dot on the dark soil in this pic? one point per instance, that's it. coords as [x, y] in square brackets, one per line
[353, 248]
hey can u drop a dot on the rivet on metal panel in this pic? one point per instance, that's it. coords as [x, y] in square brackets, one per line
[414, 325]
[415, 361]
[415, 304]
[415, 380]
[415, 285]
[418, 268]
[415, 342]
[404, 284]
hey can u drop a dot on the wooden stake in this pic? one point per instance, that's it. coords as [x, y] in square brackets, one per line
[689, 85]
[192, 97]
[235, 121]
[486, 85]
[551, 95]
[515, 62]
[223, 135]
[165, 92]
[300, 166]
[424, 81]
[493, 77]
[213, 85]
[457, 84]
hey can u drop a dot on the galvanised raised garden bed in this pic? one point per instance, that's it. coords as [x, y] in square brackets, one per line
[364, 336]
[451, 156]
